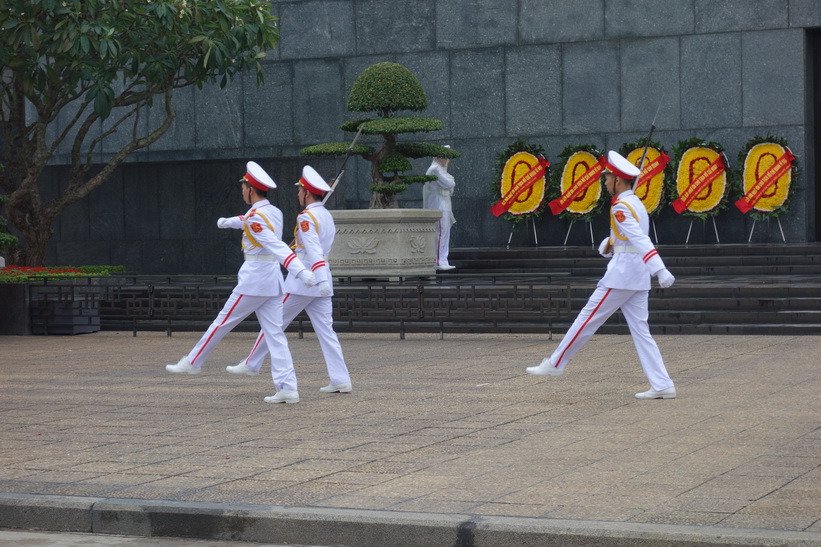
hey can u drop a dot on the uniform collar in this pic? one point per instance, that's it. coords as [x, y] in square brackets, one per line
[260, 203]
[314, 205]
[624, 194]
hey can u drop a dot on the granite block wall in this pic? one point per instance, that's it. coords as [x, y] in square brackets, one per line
[550, 72]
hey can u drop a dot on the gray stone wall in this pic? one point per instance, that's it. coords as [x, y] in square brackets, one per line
[551, 72]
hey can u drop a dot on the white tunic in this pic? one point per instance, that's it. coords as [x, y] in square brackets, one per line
[260, 274]
[635, 257]
[436, 193]
[314, 237]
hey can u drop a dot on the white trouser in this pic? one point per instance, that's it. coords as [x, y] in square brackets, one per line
[320, 312]
[602, 304]
[442, 240]
[269, 314]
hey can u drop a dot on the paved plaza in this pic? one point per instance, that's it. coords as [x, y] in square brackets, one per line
[436, 431]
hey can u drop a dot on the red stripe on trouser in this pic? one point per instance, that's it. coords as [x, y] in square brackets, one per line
[256, 345]
[205, 345]
[578, 332]
[438, 241]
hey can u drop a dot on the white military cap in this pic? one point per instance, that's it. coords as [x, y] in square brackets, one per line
[313, 181]
[620, 166]
[257, 177]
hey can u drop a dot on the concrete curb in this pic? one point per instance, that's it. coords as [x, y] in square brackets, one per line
[322, 526]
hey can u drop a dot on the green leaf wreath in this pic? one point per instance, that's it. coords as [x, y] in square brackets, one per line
[556, 179]
[498, 170]
[795, 171]
[731, 176]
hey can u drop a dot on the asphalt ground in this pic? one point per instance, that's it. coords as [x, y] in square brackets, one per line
[442, 442]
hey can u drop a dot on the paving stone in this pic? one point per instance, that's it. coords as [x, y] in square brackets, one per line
[434, 426]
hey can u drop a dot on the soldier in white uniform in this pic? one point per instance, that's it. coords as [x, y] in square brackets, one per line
[259, 285]
[624, 286]
[436, 195]
[313, 239]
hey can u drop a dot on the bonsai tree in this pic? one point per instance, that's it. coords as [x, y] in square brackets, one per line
[383, 90]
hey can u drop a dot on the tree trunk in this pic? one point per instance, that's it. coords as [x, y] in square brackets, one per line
[37, 238]
[34, 223]
[35, 253]
[381, 201]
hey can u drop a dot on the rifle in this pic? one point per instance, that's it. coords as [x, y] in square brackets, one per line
[341, 171]
[647, 141]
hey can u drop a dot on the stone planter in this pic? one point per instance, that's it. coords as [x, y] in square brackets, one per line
[384, 242]
[15, 318]
[53, 307]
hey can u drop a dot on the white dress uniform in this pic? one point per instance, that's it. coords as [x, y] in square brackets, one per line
[625, 286]
[313, 239]
[259, 286]
[436, 195]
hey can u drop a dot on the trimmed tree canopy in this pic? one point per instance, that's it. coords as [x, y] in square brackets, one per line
[399, 124]
[387, 87]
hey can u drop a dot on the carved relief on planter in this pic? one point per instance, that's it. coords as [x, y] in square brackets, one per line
[384, 242]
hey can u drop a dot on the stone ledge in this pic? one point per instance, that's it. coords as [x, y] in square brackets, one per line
[365, 528]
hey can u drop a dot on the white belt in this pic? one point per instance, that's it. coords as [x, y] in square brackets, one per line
[625, 249]
[260, 258]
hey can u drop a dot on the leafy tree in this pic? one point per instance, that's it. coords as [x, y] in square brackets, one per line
[386, 89]
[75, 72]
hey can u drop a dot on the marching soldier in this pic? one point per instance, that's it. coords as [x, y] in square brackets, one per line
[625, 285]
[313, 238]
[259, 285]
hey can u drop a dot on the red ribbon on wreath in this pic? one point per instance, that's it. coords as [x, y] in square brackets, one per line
[578, 188]
[710, 173]
[652, 169]
[525, 182]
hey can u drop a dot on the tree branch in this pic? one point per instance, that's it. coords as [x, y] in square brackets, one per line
[80, 189]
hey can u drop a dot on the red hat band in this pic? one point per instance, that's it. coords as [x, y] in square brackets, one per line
[254, 182]
[615, 170]
[307, 185]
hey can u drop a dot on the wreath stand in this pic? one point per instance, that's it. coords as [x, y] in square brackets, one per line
[535, 237]
[714, 228]
[780, 228]
[589, 225]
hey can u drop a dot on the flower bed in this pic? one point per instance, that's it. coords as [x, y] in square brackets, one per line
[23, 274]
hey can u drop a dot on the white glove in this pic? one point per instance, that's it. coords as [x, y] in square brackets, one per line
[665, 278]
[222, 222]
[604, 243]
[324, 288]
[307, 277]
